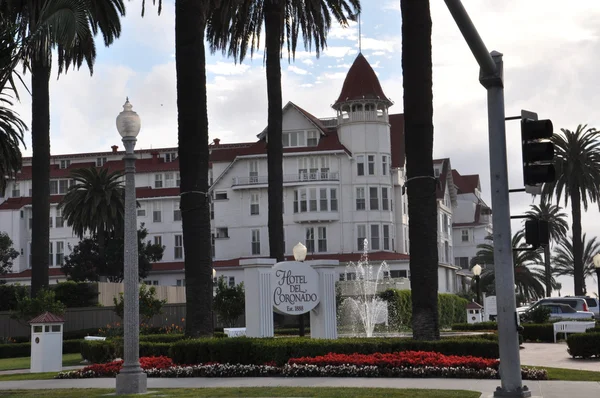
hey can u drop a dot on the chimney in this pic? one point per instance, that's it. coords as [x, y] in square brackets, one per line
[114, 148]
[154, 157]
[216, 141]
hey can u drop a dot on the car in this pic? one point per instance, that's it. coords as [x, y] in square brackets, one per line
[577, 303]
[593, 304]
[563, 311]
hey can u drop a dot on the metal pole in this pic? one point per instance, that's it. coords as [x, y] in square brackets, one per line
[598, 279]
[478, 287]
[131, 379]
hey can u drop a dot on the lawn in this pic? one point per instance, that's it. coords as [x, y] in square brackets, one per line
[257, 392]
[571, 374]
[23, 363]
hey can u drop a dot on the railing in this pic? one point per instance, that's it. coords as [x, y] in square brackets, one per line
[363, 116]
[300, 177]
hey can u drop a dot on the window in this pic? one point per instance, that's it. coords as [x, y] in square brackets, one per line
[169, 180]
[53, 187]
[63, 186]
[375, 237]
[462, 262]
[50, 256]
[50, 220]
[254, 204]
[446, 223]
[55, 328]
[303, 201]
[253, 171]
[310, 240]
[361, 235]
[312, 138]
[156, 212]
[385, 201]
[360, 165]
[158, 240]
[386, 237]
[373, 198]
[322, 244]
[65, 163]
[360, 199]
[465, 235]
[255, 242]
[283, 240]
[384, 164]
[324, 168]
[176, 211]
[333, 203]
[323, 204]
[180, 282]
[212, 210]
[314, 168]
[60, 222]
[312, 200]
[170, 156]
[399, 273]
[22, 214]
[221, 195]
[371, 164]
[232, 281]
[178, 254]
[141, 211]
[436, 172]
[16, 191]
[222, 232]
[60, 253]
[178, 179]
[212, 245]
[158, 181]
[100, 162]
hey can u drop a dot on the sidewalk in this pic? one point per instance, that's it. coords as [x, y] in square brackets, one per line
[545, 389]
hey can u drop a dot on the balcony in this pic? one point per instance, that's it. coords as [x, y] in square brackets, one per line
[316, 216]
[288, 179]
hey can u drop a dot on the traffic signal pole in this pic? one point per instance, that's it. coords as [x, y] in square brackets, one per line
[490, 77]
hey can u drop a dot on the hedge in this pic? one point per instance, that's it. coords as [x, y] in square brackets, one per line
[584, 345]
[18, 350]
[71, 294]
[543, 332]
[451, 308]
[475, 326]
[244, 350]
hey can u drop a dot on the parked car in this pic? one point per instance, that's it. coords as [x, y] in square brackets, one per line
[593, 304]
[563, 311]
[577, 303]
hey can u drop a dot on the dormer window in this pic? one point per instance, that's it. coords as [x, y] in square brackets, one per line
[100, 162]
[436, 172]
[170, 157]
[291, 139]
[312, 138]
[65, 163]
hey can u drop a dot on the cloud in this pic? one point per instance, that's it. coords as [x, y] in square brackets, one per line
[339, 51]
[227, 68]
[297, 70]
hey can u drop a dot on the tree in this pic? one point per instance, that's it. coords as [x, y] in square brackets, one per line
[86, 264]
[95, 204]
[557, 227]
[564, 258]
[230, 302]
[577, 162]
[529, 278]
[12, 129]
[7, 253]
[421, 183]
[284, 20]
[67, 29]
[29, 307]
[149, 304]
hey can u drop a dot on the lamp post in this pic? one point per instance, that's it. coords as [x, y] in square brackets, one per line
[131, 379]
[477, 272]
[597, 266]
[299, 252]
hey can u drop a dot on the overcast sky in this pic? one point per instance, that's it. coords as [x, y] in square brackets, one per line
[551, 54]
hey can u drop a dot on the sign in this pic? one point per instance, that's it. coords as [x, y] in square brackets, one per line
[294, 287]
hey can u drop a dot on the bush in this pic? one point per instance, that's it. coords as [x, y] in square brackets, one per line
[74, 294]
[98, 351]
[162, 338]
[18, 350]
[149, 304]
[594, 330]
[584, 345]
[27, 308]
[475, 326]
[291, 331]
[102, 351]
[9, 294]
[539, 315]
[538, 332]
[258, 351]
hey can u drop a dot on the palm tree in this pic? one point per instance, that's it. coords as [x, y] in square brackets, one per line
[557, 228]
[283, 20]
[95, 204]
[557, 286]
[67, 27]
[577, 162]
[528, 277]
[564, 258]
[11, 135]
[422, 205]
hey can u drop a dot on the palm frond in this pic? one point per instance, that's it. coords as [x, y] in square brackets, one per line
[12, 130]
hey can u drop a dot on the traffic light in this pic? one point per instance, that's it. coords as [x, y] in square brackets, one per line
[537, 233]
[538, 152]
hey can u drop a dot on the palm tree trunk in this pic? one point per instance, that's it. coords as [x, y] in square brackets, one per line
[273, 29]
[578, 279]
[40, 173]
[422, 206]
[192, 118]
[548, 271]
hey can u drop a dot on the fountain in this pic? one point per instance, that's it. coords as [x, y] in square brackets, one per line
[364, 309]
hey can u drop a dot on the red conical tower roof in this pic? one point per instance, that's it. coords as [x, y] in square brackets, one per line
[361, 83]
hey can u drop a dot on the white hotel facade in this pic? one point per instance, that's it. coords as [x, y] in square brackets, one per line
[343, 181]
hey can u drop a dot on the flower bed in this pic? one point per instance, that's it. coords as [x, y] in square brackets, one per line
[400, 364]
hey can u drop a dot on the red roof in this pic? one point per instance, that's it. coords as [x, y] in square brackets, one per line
[465, 184]
[102, 154]
[47, 317]
[361, 83]
[397, 140]
[474, 306]
[52, 272]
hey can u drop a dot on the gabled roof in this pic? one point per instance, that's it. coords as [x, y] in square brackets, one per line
[397, 140]
[47, 317]
[361, 83]
[310, 117]
[445, 180]
[466, 183]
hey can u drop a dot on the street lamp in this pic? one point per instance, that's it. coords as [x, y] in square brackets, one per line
[131, 379]
[299, 252]
[477, 272]
[597, 266]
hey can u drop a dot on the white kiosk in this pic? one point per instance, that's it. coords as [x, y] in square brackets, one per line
[46, 343]
[474, 314]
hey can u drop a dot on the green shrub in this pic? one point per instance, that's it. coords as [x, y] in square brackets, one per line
[72, 346]
[9, 294]
[74, 294]
[219, 335]
[475, 326]
[584, 345]
[18, 350]
[28, 308]
[258, 351]
[98, 351]
[538, 315]
[290, 331]
[538, 332]
[594, 330]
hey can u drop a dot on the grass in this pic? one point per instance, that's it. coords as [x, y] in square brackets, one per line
[256, 392]
[23, 363]
[570, 374]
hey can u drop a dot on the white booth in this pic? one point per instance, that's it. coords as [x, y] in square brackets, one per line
[474, 314]
[46, 343]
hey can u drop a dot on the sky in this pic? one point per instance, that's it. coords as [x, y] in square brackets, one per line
[551, 54]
